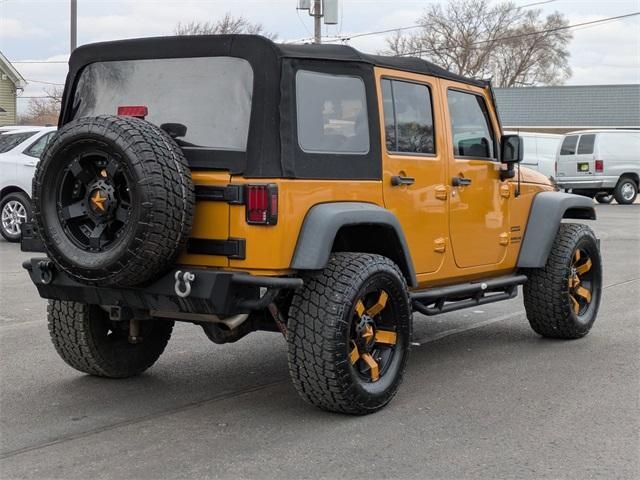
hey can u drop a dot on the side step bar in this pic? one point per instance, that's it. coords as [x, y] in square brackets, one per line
[456, 297]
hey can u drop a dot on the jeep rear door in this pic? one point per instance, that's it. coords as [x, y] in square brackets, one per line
[413, 148]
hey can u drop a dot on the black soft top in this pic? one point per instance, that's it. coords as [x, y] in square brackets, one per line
[272, 148]
[186, 46]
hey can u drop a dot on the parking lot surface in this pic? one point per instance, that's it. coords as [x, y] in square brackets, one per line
[483, 397]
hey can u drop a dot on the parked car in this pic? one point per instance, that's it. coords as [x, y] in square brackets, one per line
[601, 163]
[20, 150]
[540, 151]
[311, 190]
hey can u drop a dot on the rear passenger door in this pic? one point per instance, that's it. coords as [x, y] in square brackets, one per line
[567, 157]
[414, 163]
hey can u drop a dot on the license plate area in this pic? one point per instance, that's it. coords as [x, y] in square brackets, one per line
[583, 166]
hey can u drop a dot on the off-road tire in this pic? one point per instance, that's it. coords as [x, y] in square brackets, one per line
[604, 198]
[319, 328]
[546, 292]
[21, 198]
[162, 200]
[79, 334]
[625, 184]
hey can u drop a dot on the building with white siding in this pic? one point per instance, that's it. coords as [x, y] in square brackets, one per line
[10, 83]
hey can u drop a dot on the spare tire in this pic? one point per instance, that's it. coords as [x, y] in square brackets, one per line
[113, 200]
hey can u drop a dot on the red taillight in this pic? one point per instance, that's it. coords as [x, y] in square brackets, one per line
[138, 111]
[262, 204]
[599, 166]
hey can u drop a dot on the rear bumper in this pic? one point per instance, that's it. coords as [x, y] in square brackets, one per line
[587, 183]
[211, 291]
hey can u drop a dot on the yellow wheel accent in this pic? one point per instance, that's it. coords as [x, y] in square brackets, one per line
[576, 256]
[584, 293]
[354, 356]
[373, 366]
[368, 334]
[584, 268]
[380, 304]
[385, 336]
[98, 200]
[576, 305]
[360, 308]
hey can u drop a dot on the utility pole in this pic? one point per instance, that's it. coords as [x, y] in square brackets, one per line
[74, 24]
[317, 24]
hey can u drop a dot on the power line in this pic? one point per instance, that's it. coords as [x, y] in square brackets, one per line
[522, 35]
[39, 61]
[42, 81]
[346, 38]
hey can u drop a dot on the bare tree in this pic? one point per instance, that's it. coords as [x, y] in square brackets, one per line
[513, 46]
[43, 110]
[226, 25]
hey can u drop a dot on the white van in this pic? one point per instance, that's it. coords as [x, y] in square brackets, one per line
[540, 150]
[601, 163]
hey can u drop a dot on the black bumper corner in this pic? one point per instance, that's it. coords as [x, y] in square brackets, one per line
[211, 291]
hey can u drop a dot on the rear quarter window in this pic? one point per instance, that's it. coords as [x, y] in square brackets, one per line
[331, 113]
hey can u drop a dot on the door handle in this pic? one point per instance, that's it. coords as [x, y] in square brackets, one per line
[460, 181]
[397, 180]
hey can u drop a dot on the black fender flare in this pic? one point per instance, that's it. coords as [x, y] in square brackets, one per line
[547, 211]
[322, 223]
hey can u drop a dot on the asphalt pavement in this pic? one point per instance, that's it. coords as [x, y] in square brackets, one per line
[483, 398]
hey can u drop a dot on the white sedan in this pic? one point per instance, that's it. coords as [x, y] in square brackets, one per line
[20, 150]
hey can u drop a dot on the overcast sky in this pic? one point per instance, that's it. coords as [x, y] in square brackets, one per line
[38, 30]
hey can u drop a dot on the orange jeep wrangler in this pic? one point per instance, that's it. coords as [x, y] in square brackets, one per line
[241, 185]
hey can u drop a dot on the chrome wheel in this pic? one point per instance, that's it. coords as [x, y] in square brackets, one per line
[628, 191]
[14, 214]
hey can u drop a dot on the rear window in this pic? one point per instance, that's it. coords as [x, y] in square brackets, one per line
[210, 96]
[9, 141]
[332, 113]
[586, 144]
[569, 145]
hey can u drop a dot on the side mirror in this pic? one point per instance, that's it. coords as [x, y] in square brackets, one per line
[511, 148]
[511, 152]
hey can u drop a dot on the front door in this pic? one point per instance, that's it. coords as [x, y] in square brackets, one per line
[414, 163]
[478, 215]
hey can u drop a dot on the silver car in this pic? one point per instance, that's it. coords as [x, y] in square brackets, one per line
[600, 164]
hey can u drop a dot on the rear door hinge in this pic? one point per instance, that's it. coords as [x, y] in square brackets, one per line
[505, 190]
[504, 238]
[233, 194]
[439, 245]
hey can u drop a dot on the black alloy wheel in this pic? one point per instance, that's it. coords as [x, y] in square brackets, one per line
[94, 200]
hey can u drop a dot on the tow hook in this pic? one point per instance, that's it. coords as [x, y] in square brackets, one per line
[46, 271]
[183, 283]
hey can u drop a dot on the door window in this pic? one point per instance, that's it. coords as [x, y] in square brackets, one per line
[36, 148]
[470, 126]
[408, 117]
[332, 113]
[569, 145]
[586, 144]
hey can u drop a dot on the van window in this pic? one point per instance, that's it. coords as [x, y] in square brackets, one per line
[586, 144]
[332, 113]
[470, 127]
[569, 145]
[408, 117]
